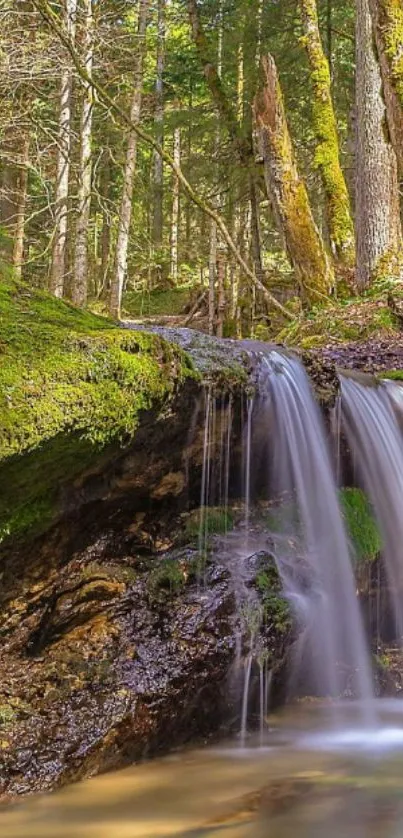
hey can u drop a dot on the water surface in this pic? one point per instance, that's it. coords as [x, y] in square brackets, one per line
[308, 780]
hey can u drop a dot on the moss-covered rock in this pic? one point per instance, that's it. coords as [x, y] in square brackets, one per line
[72, 387]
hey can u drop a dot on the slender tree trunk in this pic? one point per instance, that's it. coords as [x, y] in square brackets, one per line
[212, 278]
[329, 35]
[288, 192]
[80, 283]
[21, 201]
[125, 213]
[175, 208]
[158, 217]
[105, 181]
[213, 231]
[221, 267]
[378, 228]
[387, 20]
[327, 155]
[57, 271]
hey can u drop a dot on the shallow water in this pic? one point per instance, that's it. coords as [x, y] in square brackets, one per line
[308, 779]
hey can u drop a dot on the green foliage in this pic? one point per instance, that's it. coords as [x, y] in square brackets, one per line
[360, 524]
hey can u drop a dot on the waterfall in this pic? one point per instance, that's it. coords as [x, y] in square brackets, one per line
[301, 471]
[375, 439]
[286, 466]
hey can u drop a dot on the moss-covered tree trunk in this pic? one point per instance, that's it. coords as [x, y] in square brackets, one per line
[387, 19]
[327, 156]
[378, 226]
[288, 193]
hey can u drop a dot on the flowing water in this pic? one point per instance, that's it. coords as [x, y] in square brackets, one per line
[299, 469]
[301, 782]
[375, 439]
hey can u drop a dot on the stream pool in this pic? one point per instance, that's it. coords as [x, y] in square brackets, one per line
[310, 777]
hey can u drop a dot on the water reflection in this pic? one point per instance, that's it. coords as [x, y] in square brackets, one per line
[304, 782]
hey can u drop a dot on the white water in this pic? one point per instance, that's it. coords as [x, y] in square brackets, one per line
[375, 440]
[302, 470]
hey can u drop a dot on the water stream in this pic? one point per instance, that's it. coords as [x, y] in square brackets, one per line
[298, 783]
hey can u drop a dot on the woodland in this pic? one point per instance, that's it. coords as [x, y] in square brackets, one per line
[233, 162]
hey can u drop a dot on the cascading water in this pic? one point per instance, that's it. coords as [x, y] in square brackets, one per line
[285, 452]
[375, 439]
[333, 636]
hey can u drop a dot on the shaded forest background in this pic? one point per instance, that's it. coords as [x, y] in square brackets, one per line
[236, 161]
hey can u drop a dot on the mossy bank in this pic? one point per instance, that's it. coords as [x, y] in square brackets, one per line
[72, 388]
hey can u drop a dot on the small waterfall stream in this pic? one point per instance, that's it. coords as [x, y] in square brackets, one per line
[375, 439]
[286, 467]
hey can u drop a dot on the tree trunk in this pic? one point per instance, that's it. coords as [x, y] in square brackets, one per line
[21, 201]
[175, 208]
[378, 228]
[158, 217]
[125, 213]
[80, 282]
[388, 15]
[212, 278]
[288, 193]
[387, 20]
[105, 182]
[327, 155]
[220, 293]
[57, 271]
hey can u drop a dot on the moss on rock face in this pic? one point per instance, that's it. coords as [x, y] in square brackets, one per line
[360, 524]
[71, 385]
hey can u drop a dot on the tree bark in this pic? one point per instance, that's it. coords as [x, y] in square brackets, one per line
[288, 193]
[387, 20]
[175, 208]
[57, 271]
[21, 201]
[327, 154]
[125, 212]
[378, 228]
[388, 16]
[158, 217]
[80, 282]
[212, 267]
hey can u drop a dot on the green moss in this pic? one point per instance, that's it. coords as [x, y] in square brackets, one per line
[393, 375]
[71, 385]
[391, 28]
[215, 519]
[360, 524]
[276, 608]
[168, 576]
